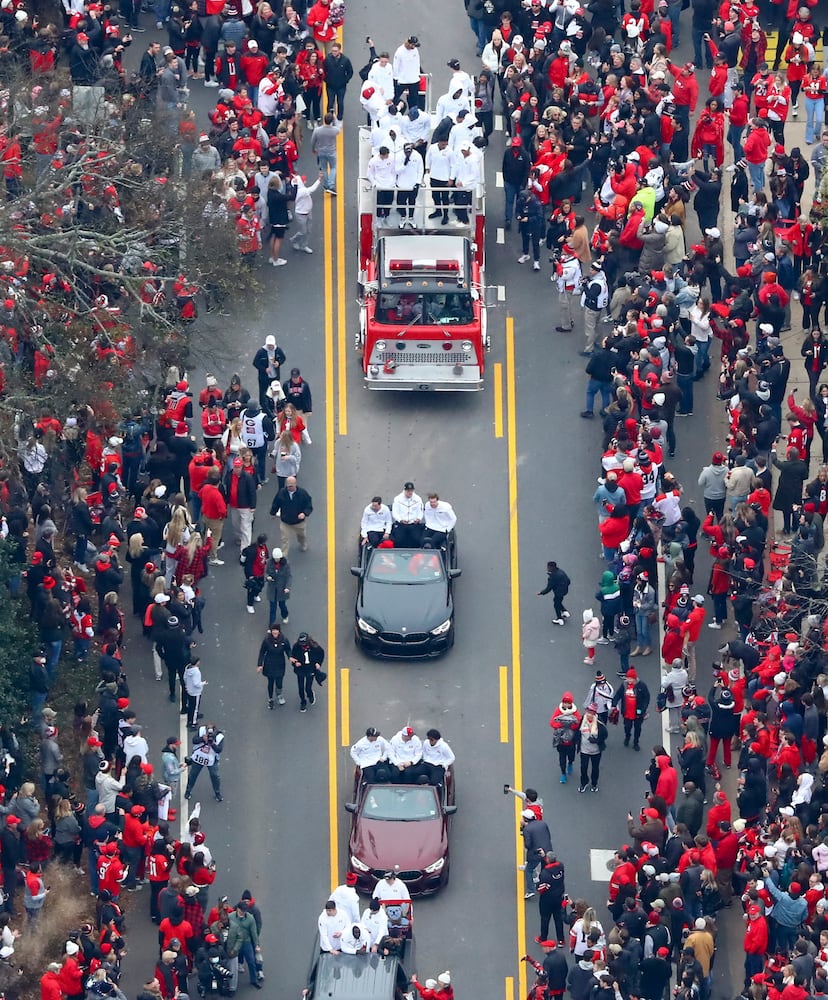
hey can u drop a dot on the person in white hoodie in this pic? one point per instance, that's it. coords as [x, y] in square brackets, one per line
[135, 745]
[406, 69]
[382, 173]
[303, 212]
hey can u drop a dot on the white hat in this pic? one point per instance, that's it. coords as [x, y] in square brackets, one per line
[527, 814]
[786, 811]
[162, 598]
[252, 43]
[21, 15]
[797, 38]
[713, 231]
[648, 870]
[660, 227]
[270, 341]
[431, 984]
[277, 554]
[159, 491]
[633, 156]
[770, 851]
[658, 75]
[765, 328]
[659, 398]
[114, 442]
[444, 978]
[739, 825]
[780, 678]
[700, 925]
[698, 598]
[71, 948]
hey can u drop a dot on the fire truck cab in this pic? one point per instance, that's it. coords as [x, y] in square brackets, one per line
[422, 323]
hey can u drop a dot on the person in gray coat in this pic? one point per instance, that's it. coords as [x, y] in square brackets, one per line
[278, 578]
[654, 236]
[537, 840]
[713, 481]
[205, 158]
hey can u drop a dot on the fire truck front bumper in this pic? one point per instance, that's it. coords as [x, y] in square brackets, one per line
[425, 378]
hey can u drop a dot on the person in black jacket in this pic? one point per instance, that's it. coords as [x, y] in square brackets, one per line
[551, 892]
[294, 506]
[557, 583]
[82, 525]
[177, 645]
[298, 392]
[529, 214]
[271, 662]
[307, 656]
[254, 559]
[601, 371]
[515, 169]
[338, 73]
[267, 361]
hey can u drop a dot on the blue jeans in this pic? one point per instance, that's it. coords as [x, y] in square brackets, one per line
[734, 137]
[674, 11]
[481, 32]
[814, 118]
[642, 629]
[592, 390]
[53, 650]
[81, 650]
[511, 192]
[685, 383]
[327, 164]
[528, 874]
[283, 609]
[248, 953]
[701, 48]
[14, 584]
[702, 358]
[91, 800]
[757, 175]
[195, 506]
[38, 701]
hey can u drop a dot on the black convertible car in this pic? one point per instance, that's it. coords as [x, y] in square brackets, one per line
[404, 604]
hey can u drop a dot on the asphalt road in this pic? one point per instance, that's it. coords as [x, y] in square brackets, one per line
[519, 466]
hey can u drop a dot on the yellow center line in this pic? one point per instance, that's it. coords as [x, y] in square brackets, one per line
[342, 330]
[497, 382]
[504, 704]
[330, 525]
[509, 988]
[345, 706]
[514, 583]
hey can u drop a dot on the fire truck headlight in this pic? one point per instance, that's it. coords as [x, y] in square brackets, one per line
[373, 371]
[466, 346]
[380, 345]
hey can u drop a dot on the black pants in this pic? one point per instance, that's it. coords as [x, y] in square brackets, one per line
[335, 100]
[304, 678]
[191, 57]
[407, 536]
[411, 93]
[406, 199]
[550, 907]
[566, 756]
[384, 200]
[442, 196]
[632, 726]
[715, 506]
[376, 773]
[192, 704]
[274, 684]
[155, 891]
[195, 771]
[174, 672]
[436, 539]
[595, 760]
[462, 200]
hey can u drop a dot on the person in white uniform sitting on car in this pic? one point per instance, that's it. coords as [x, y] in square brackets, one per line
[406, 754]
[439, 518]
[371, 755]
[376, 522]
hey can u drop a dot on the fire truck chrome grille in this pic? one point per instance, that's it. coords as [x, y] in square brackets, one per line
[416, 357]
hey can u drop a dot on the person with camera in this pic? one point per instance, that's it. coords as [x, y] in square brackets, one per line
[207, 747]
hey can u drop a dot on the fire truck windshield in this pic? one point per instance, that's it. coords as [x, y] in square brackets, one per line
[429, 308]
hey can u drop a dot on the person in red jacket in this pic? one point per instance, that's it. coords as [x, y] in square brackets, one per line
[685, 92]
[719, 587]
[111, 871]
[214, 511]
[667, 784]
[70, 976]
[50, 988]
[629, 238]
[691, 630]
[720, 812]
[673, 644]
[322, 21]
[799, 236]
[622, 881]
[755, 943]
[254, 66]
[726, 847]
[756, 148]
[613, 530]
[134, 844]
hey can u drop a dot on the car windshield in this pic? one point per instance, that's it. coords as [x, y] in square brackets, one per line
[406, 566]
[400, 802]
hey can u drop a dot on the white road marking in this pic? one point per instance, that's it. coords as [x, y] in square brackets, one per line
[501, 293]
[498, 179]
[501, 235]
[598, 860]
[498, 123]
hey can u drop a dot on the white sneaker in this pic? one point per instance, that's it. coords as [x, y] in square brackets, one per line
[566, 614]
[523, 258]
[536, 266]
[216, 562]
[714, 625]
[251, 611]
[279, 262]
[280, 699]
[307, 250]
[557, 621]
[211, 83]
[603, 642]
[259, 597]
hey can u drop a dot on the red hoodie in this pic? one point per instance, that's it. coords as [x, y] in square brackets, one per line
[667, 784]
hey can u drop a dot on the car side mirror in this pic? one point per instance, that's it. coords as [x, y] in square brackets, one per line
[356, 571]
[350, 807]
[450, 810]
[454, 573]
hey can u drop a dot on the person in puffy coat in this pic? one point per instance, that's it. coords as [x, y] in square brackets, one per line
[565, 724]
[724, 722]
[590, 630]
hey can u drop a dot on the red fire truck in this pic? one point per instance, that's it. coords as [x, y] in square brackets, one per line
[422, 322]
